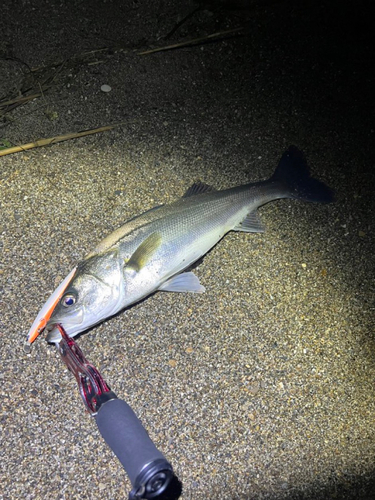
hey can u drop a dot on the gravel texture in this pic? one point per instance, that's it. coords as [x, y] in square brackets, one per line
[263, 387]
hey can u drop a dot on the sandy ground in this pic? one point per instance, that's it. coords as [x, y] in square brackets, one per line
[263, 387]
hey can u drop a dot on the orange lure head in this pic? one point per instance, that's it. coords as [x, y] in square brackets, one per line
[45, 313]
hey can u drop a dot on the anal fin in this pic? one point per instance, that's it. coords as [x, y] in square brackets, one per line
[184, 282]
[250, 224]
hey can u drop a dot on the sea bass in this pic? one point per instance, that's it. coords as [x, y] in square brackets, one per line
[153, 251]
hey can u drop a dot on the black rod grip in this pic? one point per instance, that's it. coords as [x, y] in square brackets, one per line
[126, 436]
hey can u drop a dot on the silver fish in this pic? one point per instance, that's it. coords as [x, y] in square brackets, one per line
[151, 251]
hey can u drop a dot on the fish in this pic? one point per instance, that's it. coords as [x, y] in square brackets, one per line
[155, 251]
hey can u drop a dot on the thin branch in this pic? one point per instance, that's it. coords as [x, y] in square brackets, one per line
[183, 20]
[10, 103]
[58, 138]
[19, 100]
[194, 41]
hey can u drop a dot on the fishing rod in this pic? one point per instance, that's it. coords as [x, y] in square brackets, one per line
[150, 474]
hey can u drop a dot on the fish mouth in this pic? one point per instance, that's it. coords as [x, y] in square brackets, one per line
[54, 335]
[72, 328]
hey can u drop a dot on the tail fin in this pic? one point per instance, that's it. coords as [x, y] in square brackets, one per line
[293, 172]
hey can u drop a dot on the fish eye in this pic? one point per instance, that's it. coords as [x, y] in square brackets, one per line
[68, 300]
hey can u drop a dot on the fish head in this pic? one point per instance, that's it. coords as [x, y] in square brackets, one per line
[89, 299]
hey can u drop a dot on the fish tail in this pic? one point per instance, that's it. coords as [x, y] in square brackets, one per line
[294, 174]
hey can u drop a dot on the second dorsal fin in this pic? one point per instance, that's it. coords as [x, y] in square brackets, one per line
[198, 188]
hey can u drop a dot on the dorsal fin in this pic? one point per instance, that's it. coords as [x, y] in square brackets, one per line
[198, 188]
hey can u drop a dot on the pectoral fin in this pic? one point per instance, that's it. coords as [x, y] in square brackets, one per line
[144, 252]
[185, 282]
[251, 224]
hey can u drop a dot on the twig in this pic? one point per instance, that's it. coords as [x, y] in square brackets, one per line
[19, 100]
[183, 20]
[13, 102]
[58, 138]
[194, 41]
